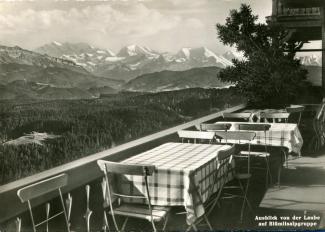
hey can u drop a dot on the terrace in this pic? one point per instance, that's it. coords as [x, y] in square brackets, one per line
[300, 193]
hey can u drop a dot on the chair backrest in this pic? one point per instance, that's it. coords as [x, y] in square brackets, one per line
[295, 109]
[215, 126]
[125, 169]
[30, 192]
[202, 135]
[275, 117]
[247, 136]
[43, 187]
[254, 127]
[226, 154]
[237, 116]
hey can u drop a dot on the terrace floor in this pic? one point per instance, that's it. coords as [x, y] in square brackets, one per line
[302, 188]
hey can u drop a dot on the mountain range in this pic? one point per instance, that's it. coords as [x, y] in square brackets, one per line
[175, 80]
[27, 73]
[133, 60]
[69, 71]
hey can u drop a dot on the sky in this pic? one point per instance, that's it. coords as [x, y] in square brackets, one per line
[163, 25]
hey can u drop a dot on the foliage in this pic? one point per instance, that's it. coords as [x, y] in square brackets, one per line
[89, 126]
[269, 75]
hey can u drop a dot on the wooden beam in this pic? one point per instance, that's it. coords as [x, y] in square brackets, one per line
[303, 3]
[311, 50]
[323, 48]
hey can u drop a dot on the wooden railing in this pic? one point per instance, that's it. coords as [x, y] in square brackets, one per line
[83, 171]
[285, 11]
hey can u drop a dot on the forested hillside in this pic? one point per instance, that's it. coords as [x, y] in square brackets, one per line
[78, 128]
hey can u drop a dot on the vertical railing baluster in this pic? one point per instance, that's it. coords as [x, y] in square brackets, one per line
[106, 203]
[104, 188]
[105, 224]
[18, 224]
[68, 204]
[47, 206]
[105, 195]
[88, 211]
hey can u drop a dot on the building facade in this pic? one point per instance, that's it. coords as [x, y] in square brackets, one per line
[306, 21]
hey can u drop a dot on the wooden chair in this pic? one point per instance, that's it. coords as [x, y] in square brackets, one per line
[215, 126]
[220, 176]
[257, 154]
[241, 117]
[296, 110]
[30, 192]
[275, 117]
[240, 137]
[141, 211]
[196, 135]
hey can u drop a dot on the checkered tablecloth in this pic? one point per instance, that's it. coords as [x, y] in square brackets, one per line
[170, 183]
[280, 134]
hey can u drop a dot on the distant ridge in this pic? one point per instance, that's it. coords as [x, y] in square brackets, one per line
[205, 77]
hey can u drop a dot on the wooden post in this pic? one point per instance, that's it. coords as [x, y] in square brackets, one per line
[275, 7]
[323, 48]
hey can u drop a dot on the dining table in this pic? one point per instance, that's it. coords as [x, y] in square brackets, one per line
[257, 113]
[279, 135]
[170, 184]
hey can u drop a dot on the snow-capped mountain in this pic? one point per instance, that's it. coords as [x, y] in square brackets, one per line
[135, 50]
[80, 53]
[21, 56]
[312, 60]
[230, 55]
[201, 57]
[58, 49]
[133, 60]
[18, 65]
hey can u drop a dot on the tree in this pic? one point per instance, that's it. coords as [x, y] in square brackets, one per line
[269, 75]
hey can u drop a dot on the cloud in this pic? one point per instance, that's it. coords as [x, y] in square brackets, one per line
[102, 22]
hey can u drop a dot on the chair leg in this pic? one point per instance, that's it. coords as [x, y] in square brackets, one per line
[243, 204]
[124, 223]
[285, 158]
[165, 223]
[279, 176]
[207, 221]
[245, 199]
[268, 172]
[153, 224]
[194, 227]
[190, 227]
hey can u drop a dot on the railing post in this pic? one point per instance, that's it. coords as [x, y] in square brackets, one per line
[275, 5]
[323, 48]
[88, 211]
[18, 224]
[48, 207]
[68, 204]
